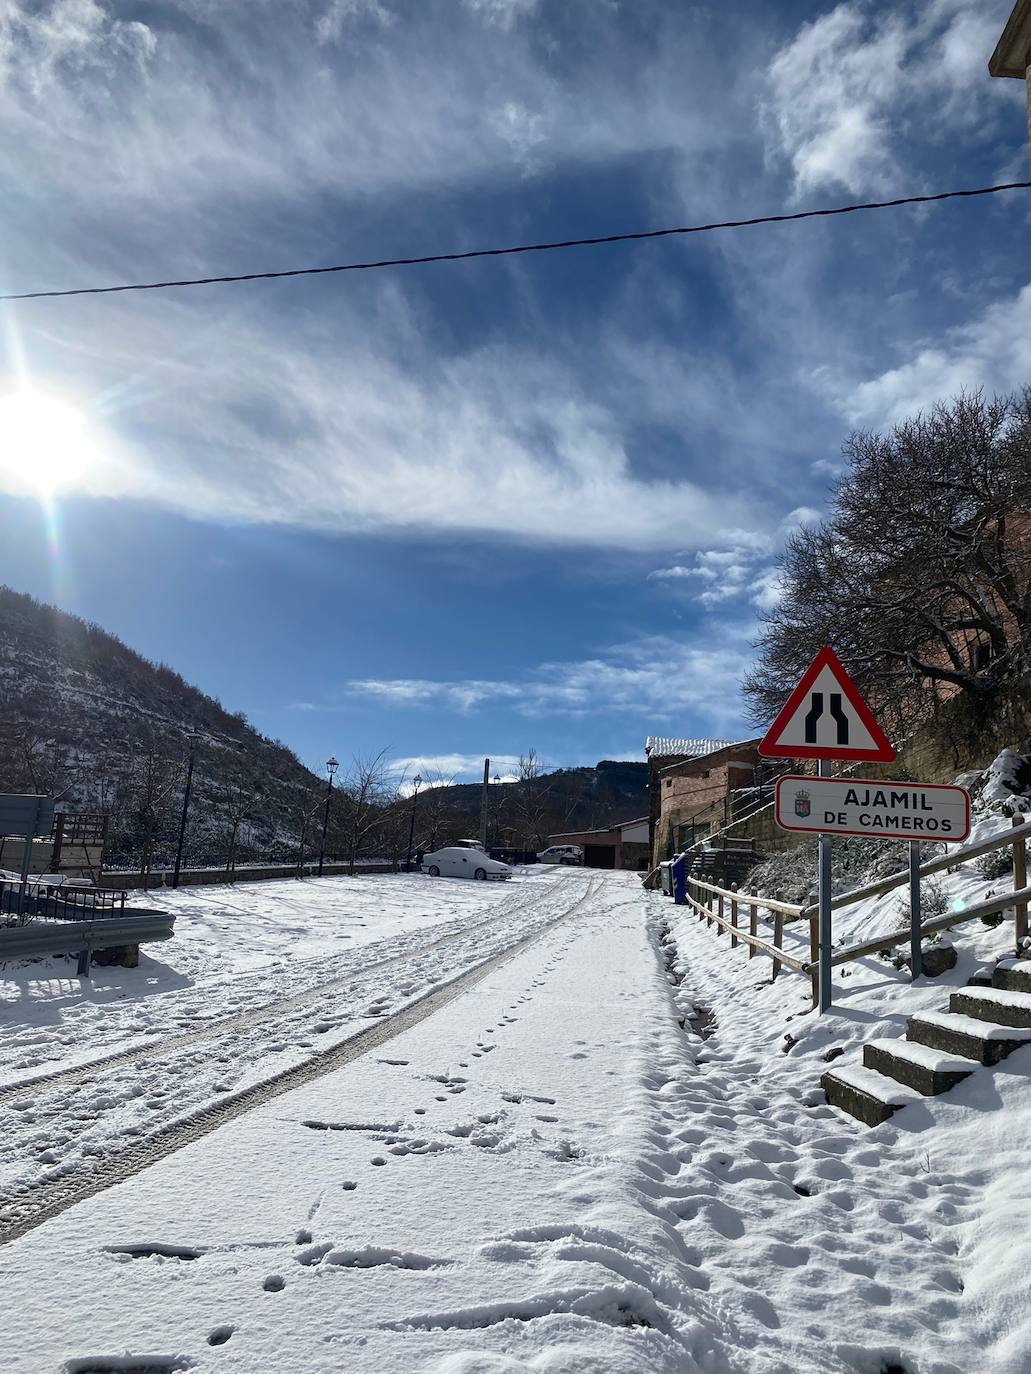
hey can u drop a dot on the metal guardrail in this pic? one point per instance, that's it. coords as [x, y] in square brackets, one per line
[142, 926]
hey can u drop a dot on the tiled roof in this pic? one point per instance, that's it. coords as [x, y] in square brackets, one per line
[660, 747]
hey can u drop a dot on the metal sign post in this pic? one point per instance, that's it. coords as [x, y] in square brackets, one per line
[826, 991]
[916, 957]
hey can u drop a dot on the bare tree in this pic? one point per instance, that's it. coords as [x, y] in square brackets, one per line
[532, 800]
[363, 794]
[435, 816]
[236, 798]
[309, 807]
[156, 781]
[920, 577]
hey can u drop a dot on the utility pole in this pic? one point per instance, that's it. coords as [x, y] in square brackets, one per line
[483, 804]
[193, 739]
[1012, 55]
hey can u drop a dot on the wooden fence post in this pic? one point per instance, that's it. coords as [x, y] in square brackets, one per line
[733, 918]
[778, 933]
[753, 924]
[719, 925]
[1019, 881]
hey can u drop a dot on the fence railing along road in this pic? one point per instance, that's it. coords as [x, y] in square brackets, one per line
[723, 907]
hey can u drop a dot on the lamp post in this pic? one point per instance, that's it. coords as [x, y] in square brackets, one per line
[331, 768]
[411, 824]
[194, 739]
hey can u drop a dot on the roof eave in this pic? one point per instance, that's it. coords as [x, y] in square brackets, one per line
[1012, 55]
[711, 758]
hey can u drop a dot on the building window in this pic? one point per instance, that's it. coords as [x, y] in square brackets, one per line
[669, 782]
[980, 655]
[707, 773]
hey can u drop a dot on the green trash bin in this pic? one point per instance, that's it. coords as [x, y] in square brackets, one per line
[666, 876]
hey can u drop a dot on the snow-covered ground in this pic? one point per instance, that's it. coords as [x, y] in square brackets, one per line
[553, 1172]
[240, 993]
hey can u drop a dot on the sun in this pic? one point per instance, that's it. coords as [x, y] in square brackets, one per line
[45, 445]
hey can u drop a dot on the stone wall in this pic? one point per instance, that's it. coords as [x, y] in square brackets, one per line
[191, 877]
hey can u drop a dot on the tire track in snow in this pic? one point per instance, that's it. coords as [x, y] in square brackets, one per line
[48, 1199]
[252, 1016]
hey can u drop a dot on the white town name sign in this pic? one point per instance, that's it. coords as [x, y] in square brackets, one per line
[890, 810]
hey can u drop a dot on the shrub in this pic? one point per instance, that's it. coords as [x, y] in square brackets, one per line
[995, 864]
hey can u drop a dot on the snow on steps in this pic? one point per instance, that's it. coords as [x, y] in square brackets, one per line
[982, 1026]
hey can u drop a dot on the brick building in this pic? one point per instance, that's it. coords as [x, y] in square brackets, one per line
[620, 846]
[696, 787]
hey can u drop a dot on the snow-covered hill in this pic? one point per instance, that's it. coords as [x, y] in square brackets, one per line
[90, 721]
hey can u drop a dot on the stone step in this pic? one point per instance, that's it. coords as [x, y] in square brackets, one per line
[1012, 974]
[998, 1005]
[965, 1035]
[865, 1094]
[916, 1066]
[981, 977]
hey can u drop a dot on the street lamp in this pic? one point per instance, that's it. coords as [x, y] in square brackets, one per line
[331, 768]
[193, 738]
[411, 825]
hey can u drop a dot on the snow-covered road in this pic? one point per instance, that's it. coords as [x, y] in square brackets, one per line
[552, 1172]
[73, 1118]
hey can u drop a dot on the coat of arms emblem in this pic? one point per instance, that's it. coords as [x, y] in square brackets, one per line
[803, 805]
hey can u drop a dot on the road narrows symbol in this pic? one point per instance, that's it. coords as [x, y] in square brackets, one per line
[837, 715]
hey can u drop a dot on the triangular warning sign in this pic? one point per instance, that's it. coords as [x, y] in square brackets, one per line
[826, 718]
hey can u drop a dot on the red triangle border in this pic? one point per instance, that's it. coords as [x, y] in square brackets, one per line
[826, 658]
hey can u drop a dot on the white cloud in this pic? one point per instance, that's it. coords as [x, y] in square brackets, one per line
[991, 351]
[841, 90]
[226, 405]
[460, 767]
[801, 515]
[504, 13]
[332, 23]
[358, 426]
[657, 678]
[767, 589]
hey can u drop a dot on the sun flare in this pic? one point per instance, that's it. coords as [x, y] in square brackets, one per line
[44, 443]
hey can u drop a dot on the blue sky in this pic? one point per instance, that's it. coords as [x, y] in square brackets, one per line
[469, 509]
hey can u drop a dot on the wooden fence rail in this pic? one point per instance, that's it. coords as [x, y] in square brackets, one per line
[709, 901]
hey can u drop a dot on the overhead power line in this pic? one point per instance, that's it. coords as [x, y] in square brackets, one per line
[514, 249]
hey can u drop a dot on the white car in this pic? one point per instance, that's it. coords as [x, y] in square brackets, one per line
[561, 854]
[458, 861]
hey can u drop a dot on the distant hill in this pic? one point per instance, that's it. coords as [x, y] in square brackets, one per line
[87, 720]
[566, 800]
